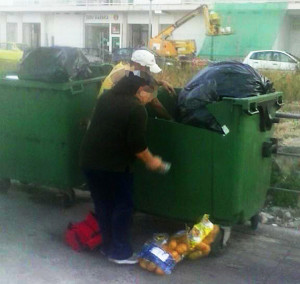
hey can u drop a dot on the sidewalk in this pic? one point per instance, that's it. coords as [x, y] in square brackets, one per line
[32, 249]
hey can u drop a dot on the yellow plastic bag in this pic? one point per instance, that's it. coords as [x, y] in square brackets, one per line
[199, 231]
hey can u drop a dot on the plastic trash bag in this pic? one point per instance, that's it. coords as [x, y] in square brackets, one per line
[54, 65]
[211, 84]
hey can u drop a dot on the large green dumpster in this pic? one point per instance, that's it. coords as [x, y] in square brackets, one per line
[224, 176]
[41, 127]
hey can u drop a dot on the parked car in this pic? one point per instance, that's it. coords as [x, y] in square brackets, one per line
[10, 51]
[273, 59]
[121, 54]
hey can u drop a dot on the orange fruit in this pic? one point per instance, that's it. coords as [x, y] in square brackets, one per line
[204, 248]
[151, 266]
[178, 258]
[143, 263]
[209, 239]
[165, 247]
[215, 230]
[175, 254]
[172, 244]
[182, 248]
[159, 271]
[195, 254]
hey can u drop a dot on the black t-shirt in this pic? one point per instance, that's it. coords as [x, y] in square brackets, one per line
[115, 135]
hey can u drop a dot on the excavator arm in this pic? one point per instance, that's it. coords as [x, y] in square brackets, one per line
[173, 48]
[167, 32]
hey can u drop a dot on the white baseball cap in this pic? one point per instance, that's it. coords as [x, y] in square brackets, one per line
[145, 58]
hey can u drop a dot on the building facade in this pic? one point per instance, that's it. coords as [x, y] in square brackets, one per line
[111, 24]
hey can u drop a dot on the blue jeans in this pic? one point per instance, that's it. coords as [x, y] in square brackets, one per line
[112, 196]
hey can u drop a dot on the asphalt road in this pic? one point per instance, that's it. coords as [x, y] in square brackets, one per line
[32, 249]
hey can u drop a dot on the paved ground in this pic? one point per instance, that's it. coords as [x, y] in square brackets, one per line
[32, 249]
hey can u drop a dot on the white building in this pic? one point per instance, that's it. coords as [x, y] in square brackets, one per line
[110, 24]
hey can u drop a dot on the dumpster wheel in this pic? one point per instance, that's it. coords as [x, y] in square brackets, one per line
[254, 221]
[220, 243]
[4, 185]
[68, 198]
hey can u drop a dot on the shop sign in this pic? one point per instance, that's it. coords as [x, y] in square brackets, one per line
[94, 18]
[100, 18]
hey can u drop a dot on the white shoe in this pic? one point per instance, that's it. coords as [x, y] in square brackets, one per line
[131, 260]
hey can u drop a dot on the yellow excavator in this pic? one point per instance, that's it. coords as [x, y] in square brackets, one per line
[177, 48]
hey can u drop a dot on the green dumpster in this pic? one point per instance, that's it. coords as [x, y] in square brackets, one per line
[224, 176]
[99, 70]
[41, 128]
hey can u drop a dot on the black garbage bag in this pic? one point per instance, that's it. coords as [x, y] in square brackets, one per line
[54, 65]
[211, 84]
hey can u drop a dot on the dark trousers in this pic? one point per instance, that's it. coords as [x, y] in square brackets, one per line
[112, 196]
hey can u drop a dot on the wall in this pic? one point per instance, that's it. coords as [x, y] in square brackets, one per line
[15, 18]
[67, 29]
[294, 40]
[193, 29]
[283, 37]
[2, 27]
[255, 26]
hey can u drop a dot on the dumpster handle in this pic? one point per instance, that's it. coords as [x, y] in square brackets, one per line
[75, 90]
[252, 108]
[279, 101]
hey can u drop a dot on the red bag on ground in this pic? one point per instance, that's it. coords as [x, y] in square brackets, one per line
[85, 234]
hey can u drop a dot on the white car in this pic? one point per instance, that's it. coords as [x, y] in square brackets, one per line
[272, 59]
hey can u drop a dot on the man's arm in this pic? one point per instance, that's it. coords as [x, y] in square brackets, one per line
[137, 142]
[153, 163]
[167, 86]
[160, 109]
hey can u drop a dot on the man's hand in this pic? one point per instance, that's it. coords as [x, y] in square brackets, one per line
[153, 163]
[168, 87]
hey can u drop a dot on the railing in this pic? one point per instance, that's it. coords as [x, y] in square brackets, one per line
[93, 3]
[283, 152]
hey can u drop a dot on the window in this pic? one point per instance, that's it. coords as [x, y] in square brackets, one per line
[255, 56]
[12, 32]
[266, 55]
[276, 56]
[281, 57]
[2, 45]
[286, 58]
[115, 28]
[293, 56]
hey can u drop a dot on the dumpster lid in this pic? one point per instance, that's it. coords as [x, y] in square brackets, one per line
[249, 104]
[12, 80]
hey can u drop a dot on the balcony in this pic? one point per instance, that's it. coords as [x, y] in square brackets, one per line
[96, 5]
[116, 5]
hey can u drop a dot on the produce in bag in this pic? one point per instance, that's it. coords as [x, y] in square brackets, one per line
[177, 245]
[203, 248]
[199, 231]
[161, 254]
[155, 259]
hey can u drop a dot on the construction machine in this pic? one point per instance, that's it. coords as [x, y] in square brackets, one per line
[164, 46]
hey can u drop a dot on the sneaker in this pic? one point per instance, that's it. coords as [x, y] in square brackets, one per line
[131, 260]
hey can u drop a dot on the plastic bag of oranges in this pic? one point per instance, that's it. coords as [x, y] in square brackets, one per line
[155, 259]
[178, 245]
[201, 237]
[162, 253]
[199, 231]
